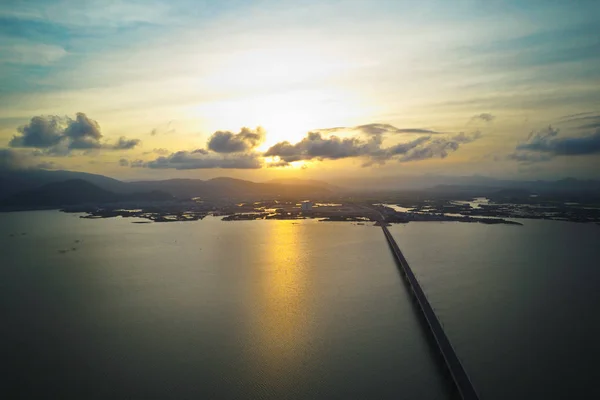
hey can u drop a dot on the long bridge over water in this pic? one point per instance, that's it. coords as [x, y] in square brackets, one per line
[459, 376]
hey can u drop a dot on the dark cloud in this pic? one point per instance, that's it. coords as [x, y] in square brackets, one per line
[279, 163]
[439, 147]
[201, 159]
[404, 148]
[315, 146]
[15, 160]
[229, 142]
[84, 132]
[547, 141]
[381, 156]
[41, 132]
[11, 159]
[137, 164]
[57, 136]
[224, 150]
[123, 162]
[487, 117]
[126, 144]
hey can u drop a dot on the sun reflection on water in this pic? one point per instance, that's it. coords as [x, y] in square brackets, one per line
[283, 311]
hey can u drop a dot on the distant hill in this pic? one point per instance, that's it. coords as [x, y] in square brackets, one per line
[465, 183]
[74, 192]
[15, 182]
[12, 182]
[306, 182]
[230, 188]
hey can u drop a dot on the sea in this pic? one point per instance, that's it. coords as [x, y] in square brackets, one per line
[108, 308]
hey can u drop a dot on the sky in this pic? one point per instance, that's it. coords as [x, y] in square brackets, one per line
[313, 89]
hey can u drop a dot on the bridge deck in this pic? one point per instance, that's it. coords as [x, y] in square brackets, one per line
[458, 373]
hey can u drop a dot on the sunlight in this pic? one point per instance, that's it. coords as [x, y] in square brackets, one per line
[282, 301]
[275, 162]
[285, 116]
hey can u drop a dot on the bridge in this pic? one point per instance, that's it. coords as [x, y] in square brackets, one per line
[459, 375]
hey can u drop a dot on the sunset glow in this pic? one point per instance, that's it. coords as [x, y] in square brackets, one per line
[457, 89]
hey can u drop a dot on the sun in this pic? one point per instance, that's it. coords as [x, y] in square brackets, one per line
[287, 92]
[285, 116]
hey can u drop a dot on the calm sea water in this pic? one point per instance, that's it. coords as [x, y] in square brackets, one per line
[210, 309]
[519, 303]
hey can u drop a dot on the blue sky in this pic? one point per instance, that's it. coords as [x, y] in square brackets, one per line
[170, 74]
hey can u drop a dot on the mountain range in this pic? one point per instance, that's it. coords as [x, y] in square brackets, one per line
[39, 188]
[42, 188]
[73, 192]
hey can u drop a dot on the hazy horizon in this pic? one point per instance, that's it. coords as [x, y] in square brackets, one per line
[320, 90]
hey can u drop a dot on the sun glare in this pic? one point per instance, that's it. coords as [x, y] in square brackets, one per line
[284, 116]
[286, 92]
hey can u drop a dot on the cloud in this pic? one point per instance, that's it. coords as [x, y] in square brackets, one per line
[594, 125]
[224, 150]
[123, 162]
[138, 164]
[201, 159]
[280, 163]
[528, 158]
[11, 159]
[575, 116]
[18, 51]
[547, 141]
[229, 142]
[84, 132]
[315, 146]
[380, 156]
[126, 144]
[379, 129]
[57, 136]
[15, 160]
[586, 120]
[41, 132]
[487, 117]
[439, 147]
[47, 165]
[166, 130]
[159, 151]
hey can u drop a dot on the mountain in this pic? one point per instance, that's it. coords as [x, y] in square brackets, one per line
[74, 192]
[230, 188]
[466, 183]
[15, 181]
[306, 182]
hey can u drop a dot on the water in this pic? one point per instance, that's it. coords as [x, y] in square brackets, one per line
[475, 203]
[209, 309]
[519, 303]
